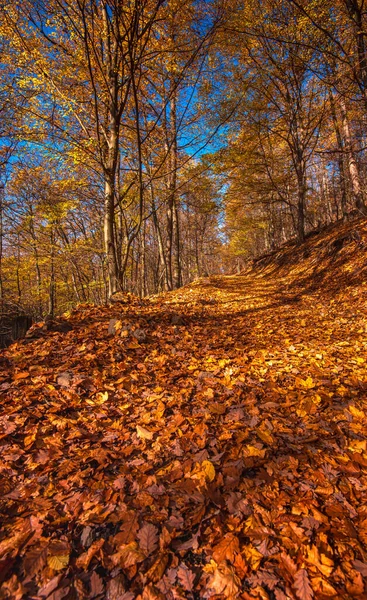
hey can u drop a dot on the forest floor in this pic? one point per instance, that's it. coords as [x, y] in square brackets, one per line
[212, 445]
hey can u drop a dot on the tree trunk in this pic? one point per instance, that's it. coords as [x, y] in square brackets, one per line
[341, 165]
[352, 164]
[52, 286]
[177, 255]
[109, 235]
[301, 200]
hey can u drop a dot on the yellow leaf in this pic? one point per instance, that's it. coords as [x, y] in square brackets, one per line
[253, 451]
[253, 557]
[210, 567]
[102, 397]
[358, 414]
[208, 469]
[308, 383]
[144, 433]
[265, 436]
[58, 562]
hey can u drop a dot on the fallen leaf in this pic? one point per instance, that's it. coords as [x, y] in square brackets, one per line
[302, 585]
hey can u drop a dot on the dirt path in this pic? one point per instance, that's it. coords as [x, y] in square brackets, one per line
[223, 456]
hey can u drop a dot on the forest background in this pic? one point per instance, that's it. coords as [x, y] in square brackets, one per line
[146, 143]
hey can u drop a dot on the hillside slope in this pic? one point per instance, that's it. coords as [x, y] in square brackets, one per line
[207, 443]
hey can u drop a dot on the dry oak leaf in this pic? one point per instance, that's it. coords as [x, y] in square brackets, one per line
[307, 384]
[217, 409]
[10, 546]
[186, 577]
[302, 585]
[128, 529]
[148, 538]
[226, 548]
[224, 581]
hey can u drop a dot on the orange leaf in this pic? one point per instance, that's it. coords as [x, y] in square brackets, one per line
[226, 548]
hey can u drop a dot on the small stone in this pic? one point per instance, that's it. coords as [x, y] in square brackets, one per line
[140, 335]
[177, 320]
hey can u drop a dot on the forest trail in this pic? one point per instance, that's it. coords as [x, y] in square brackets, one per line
[213, 446]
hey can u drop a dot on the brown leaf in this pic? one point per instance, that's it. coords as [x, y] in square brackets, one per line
[128, 529]
[96, 585]
[288, 563]
[361, 567]
[148, 538]
[186, 578]
[35, 559]
[50, 586]
[302, 585]
[156, 571]
[83, 561]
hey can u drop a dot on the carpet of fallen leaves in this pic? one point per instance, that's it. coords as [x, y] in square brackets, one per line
[218, 453]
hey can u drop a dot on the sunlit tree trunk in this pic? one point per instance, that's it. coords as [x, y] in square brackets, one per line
[352, 164]
[341, 164]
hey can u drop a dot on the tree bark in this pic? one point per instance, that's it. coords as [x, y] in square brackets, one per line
[341, 162]
[352, 164]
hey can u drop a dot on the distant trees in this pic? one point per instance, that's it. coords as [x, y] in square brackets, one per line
[110, 90]
[295, 157]
[143, 144]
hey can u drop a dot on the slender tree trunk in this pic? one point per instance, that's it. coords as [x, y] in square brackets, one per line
[177, 279]
[356, 12]
[1, 244]
[52, 286]
[161, 253]
[109, 235]
[301, 199]
[352, 164]
[341, 162]
[143, 287]
[19, 289]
